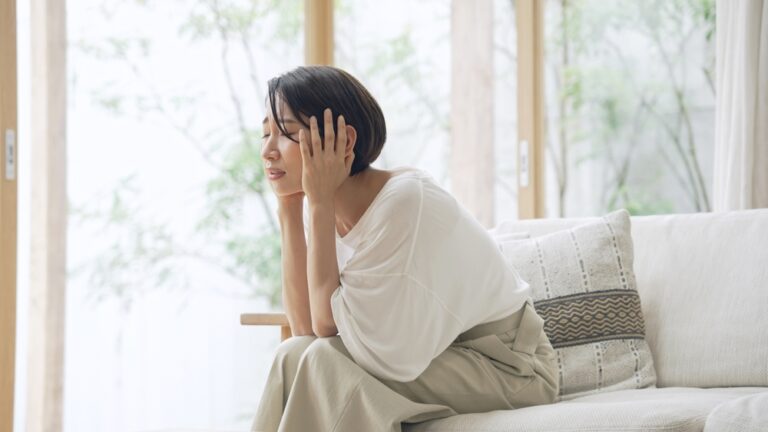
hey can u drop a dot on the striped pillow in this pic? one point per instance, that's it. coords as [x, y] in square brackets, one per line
[584, 287]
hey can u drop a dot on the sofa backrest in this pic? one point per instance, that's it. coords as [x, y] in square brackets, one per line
[703, 285]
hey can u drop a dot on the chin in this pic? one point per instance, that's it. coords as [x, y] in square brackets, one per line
[282, 191]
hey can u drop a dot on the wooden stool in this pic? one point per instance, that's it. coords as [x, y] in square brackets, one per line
[268, 319]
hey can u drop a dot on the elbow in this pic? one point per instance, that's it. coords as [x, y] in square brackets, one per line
[302, 332]
[324, 330]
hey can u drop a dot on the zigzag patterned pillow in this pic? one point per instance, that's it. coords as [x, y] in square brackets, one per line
[583, 285]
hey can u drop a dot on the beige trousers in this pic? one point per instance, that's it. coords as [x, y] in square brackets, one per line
[314, 385]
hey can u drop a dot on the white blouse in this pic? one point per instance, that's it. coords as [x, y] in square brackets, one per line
[417, 270]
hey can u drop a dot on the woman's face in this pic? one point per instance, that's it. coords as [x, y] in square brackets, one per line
[281, 156]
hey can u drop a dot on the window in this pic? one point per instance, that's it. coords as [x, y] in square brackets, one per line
[629, 106]
[172, 232]
[406, 62]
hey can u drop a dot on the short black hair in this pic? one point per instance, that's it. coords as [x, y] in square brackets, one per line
[309, 90]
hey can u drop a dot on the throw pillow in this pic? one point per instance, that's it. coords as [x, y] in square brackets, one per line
[583, 286]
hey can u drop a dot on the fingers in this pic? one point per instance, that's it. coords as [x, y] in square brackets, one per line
[331, 142]
[330, 139]
[341, 141]
[314, 132]
[306, 152]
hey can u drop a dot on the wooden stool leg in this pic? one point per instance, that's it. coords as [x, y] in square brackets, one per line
[285, 332]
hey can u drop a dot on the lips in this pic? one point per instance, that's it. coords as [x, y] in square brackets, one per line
[275, 174]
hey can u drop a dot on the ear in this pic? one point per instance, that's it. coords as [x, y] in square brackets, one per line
[351, 140]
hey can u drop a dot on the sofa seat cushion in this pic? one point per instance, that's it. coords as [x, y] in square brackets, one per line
[671, 409]
[744, 414]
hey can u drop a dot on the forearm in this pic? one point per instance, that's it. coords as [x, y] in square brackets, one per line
[294, 265]
[322, 268]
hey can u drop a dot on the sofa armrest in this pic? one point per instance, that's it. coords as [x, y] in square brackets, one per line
[268, 319]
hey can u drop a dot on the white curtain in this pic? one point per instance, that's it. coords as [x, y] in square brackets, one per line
[741, 119]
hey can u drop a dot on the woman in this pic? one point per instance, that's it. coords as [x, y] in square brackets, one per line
[431, 320]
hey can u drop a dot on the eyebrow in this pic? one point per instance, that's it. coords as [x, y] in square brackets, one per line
[266, 119]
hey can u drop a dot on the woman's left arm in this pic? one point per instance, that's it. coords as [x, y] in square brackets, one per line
[325, 166]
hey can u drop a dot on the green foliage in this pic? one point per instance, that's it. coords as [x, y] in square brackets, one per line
[258, 259]
[209, 19]
[573, 86]
[622, 78]
[239, 176]
[642, 203]
[704, 11]
[137, 253]
[112, 103]
[611, 107]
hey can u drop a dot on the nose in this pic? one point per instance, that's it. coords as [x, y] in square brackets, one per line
[269, 150]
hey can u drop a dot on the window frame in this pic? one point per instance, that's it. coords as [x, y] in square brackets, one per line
[530, 94]
[8, 214]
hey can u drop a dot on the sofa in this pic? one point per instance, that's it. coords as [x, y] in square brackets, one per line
[703, 284]
[702, 281]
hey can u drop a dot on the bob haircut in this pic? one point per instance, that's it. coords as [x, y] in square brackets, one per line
[309, 90]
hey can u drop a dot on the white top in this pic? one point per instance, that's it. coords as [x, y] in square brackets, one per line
[416, 271]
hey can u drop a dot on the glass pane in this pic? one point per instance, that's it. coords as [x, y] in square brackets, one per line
[505, 108]
[629, 106]
[172, 232]
[405, 61]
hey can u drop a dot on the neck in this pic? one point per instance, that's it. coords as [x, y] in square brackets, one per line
[354, 196]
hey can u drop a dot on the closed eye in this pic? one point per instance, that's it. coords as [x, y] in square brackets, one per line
[290, 134]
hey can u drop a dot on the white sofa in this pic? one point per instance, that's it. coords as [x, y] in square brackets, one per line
[703, 285]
